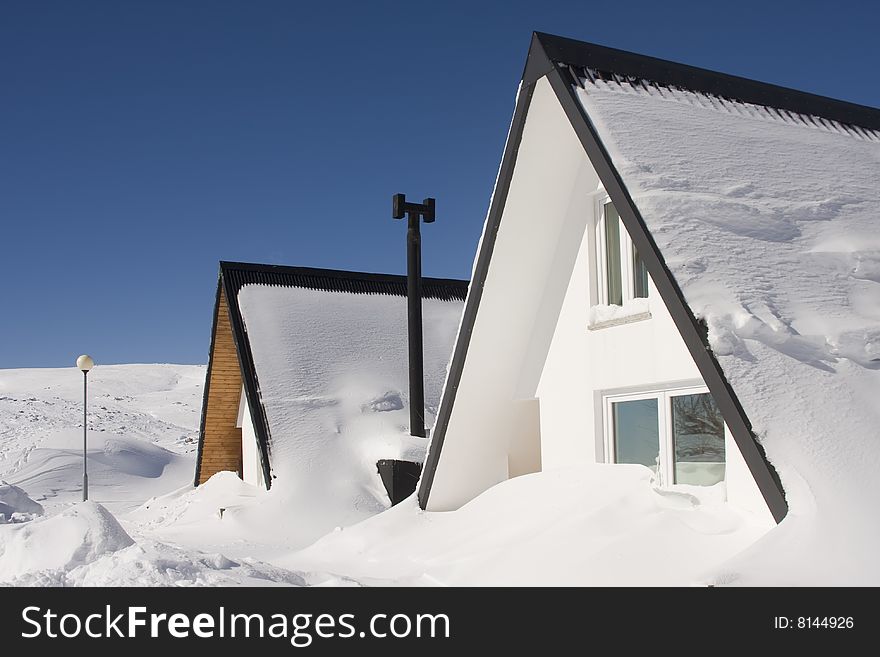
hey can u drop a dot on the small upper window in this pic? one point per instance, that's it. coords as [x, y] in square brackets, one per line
[622, 273]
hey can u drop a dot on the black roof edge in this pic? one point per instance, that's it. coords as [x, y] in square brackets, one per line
[560, 53]
[538, 64]
[565, 51]
[248, 376]
[243, 273]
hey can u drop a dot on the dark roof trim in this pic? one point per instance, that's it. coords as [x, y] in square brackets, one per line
[234, 275]
[562, 81]
[248, 374]
[333, 280]
[568, 52]
[537, 63]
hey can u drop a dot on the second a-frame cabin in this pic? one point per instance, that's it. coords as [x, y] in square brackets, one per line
[307, 378]
[679, 269]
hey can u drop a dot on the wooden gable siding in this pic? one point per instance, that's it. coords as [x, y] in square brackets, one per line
[221, 448]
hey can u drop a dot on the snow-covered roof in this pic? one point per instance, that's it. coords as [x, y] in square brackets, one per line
[330, 364]
[758, 210]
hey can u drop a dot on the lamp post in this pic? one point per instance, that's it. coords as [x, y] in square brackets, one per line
[85, 363]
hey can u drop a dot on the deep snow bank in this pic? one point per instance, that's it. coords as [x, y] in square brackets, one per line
[86, 546]
[590, 525]
[188, 505]
[229, 514]
[75, 537]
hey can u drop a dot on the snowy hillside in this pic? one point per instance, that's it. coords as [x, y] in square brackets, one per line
[143, 420]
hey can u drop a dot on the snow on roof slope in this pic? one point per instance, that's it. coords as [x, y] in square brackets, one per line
[332, 368]
[770, 223]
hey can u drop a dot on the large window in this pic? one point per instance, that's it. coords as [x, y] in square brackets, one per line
[622, 273]
[679, 434]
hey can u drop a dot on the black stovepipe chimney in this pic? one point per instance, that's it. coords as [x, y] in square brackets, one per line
[416, 212]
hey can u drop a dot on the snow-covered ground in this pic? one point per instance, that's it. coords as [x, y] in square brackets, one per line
[146, 525]
[594, 525]
[143, 436]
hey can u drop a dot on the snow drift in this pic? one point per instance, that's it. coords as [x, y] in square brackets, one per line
[579, 526]
[85, 545]
[75, 537]
[15, 505]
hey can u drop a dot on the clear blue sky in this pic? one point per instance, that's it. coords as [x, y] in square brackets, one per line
[141, 142]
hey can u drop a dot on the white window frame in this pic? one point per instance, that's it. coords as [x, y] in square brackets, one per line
[666, 458]
[627, 253]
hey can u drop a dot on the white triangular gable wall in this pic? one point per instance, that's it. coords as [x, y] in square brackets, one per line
[531, 340]
[252, 469]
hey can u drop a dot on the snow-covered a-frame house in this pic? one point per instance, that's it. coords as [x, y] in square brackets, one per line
[307, 377]
[679, 269]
